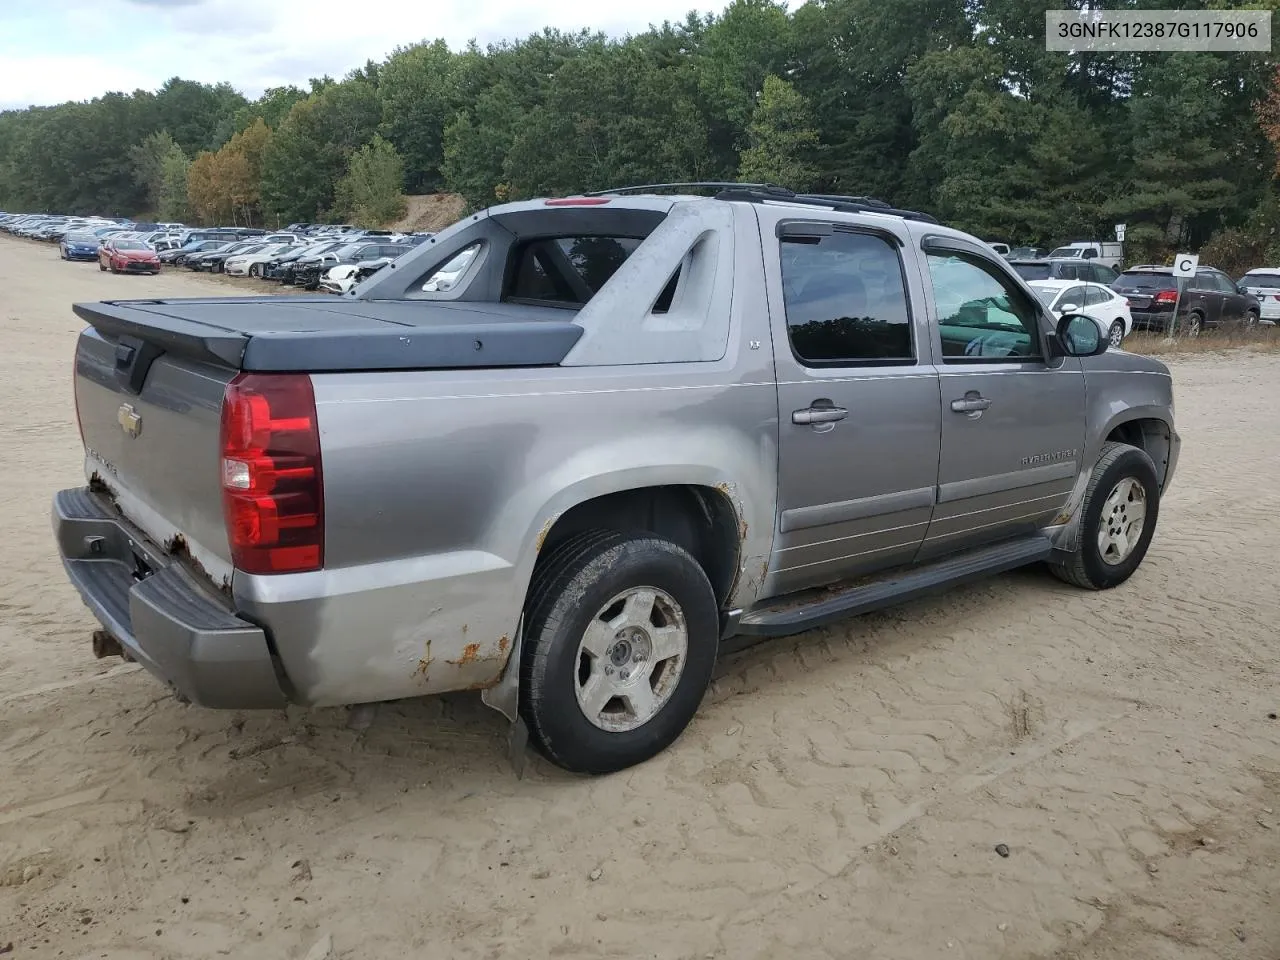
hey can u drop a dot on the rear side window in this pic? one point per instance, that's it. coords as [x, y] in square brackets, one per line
[568, 270]
[845, 300]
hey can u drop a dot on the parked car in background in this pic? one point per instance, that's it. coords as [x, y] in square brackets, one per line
[78, 246]
[127, 256]
[1211, 299]
[1110, 253]
[214, 259]
[1264, 285]
[1064, 269]
[178, 256]
[1098, 302]
[248, 263]
[1026, 253]
[999, 247]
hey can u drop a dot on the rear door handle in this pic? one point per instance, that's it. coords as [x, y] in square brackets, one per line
[814, 415]
[970, 404]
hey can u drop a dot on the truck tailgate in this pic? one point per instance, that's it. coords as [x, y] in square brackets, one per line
[156, 448]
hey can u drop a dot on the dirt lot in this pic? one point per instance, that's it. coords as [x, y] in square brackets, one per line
[841, 795]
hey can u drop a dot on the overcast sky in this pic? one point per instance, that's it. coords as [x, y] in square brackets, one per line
[57, 50]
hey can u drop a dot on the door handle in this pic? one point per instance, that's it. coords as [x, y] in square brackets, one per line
[815, 415]
[971, 403]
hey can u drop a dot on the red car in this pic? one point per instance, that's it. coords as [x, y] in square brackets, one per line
[127, 256]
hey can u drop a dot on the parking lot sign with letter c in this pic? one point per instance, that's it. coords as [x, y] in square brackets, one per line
[1184, 264]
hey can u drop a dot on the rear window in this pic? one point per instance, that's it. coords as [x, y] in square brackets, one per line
[1270, 281]
[1032, 271]
[568, 270]
[1145, 281]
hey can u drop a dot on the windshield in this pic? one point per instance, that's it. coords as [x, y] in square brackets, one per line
[1032, 271]
[81, 238]
[129, 245]
[1270, 281]
[1067, 252]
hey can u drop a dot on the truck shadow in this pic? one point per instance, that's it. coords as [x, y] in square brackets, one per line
[455, 748]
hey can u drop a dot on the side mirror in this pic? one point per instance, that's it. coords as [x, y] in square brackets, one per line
[1068, 308]
[1079, 336]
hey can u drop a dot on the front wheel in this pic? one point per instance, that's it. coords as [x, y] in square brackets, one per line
[255, 271]
[620, 640]
[1118, 519]
[1115, 336]
[1192, 325]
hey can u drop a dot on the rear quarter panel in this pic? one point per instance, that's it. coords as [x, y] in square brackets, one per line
[440, 489]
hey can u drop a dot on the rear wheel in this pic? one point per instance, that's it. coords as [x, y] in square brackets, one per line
[1115, 336]
[620, 640]
[1118, 519]
[1192, 325]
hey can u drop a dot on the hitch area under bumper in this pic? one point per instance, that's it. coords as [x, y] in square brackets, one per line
[158, 612]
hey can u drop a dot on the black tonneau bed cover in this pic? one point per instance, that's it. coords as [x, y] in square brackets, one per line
[324, 335]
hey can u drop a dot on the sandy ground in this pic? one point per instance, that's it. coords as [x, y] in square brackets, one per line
[840, 795]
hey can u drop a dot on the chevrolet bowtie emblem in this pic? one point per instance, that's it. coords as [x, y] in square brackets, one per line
[129, 419]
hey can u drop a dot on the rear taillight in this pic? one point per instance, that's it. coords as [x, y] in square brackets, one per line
[1166, 296]
[272, 486]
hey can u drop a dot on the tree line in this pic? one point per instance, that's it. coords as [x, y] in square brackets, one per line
[949, 106]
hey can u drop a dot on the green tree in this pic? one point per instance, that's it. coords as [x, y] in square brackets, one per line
[148, 159]
[371, 192]
[172, 206]
[419, 91]
[309, 153]
[782, 137]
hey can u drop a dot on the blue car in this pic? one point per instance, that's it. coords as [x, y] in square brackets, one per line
[79, 246]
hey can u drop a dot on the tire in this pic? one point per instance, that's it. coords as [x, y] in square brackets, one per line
[581, 581]
[1115, 336]
[1106, 499]
[1250, 319]
[255, 271]
[1192, 326]
[113, 268]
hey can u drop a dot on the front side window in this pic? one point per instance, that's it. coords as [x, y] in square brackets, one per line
[981, 314]
[845, 300]
[1076, 296]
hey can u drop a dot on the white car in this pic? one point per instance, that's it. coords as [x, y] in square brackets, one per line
[1264, 283]
[250, 264]
[1104, 306]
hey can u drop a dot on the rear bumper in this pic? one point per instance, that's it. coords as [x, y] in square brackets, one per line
[165, 619]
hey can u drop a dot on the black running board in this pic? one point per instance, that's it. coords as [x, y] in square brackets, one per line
[805, 611]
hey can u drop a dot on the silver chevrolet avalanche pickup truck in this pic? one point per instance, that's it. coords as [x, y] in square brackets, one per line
[565, 449]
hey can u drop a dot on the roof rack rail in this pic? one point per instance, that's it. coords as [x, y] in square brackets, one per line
[685, 185]
[844, 204]
[766, 192]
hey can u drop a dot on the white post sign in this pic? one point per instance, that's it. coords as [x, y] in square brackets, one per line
[1120, 232]
[1184, 268]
